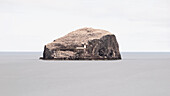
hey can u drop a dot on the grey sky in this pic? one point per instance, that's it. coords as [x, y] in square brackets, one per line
[140, 25]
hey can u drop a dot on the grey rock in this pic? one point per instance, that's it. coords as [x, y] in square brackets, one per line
[84, 44]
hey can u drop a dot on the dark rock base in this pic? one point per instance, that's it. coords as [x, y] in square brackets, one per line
[80, 58]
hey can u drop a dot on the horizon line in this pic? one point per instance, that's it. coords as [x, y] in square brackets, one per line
[120, 52]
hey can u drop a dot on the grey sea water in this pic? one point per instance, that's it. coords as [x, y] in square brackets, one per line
[137, 74]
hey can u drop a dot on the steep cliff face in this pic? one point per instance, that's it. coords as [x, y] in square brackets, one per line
[85, 44]
[105, 47]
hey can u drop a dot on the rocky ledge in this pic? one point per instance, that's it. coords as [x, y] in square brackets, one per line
[83, 44]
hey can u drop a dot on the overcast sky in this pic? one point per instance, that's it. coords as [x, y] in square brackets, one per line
[139, 25]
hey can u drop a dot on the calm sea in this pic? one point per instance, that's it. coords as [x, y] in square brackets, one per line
[137, 74]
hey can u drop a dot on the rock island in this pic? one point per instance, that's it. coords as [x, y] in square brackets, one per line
[83, 44]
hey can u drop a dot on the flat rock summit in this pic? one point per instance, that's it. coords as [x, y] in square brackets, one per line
[83, 44]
